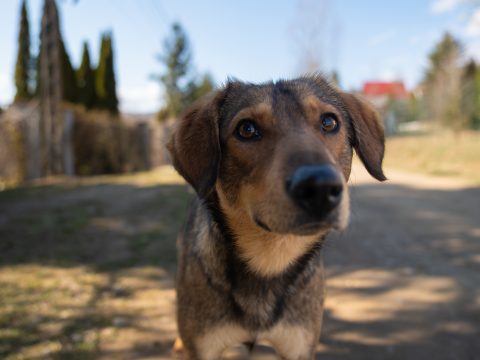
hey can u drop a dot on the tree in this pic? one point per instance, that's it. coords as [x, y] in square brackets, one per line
[24, 59]
[38, 67]
[316, 36]
[68, 75]
[70, 88]
[177, 60]
[471, 94]
[442, 84]
[475, 121]
[335, 78]
[198, 88]
[105, 83]
[86, 80]
[181, 86]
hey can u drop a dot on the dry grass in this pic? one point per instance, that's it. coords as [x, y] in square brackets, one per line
[86, 267]
[446, 154]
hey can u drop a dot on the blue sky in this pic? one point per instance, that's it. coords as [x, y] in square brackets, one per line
[251, 40]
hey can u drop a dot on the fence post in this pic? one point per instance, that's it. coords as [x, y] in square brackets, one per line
[143, 131]
[31, 128]
[67, 143]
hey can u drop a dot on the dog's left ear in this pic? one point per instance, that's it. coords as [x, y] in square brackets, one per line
[195, 145]
[368, 137]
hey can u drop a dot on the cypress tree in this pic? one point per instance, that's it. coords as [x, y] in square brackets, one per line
[68, 74]
[38, 66]
[24, 59]
[100, 87]
[105, 83]
[86, 80]
[112, 99]
[70, 89]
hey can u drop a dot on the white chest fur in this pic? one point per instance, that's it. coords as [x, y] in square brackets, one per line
[289, 341]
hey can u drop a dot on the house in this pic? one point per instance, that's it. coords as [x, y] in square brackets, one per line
[382, 94]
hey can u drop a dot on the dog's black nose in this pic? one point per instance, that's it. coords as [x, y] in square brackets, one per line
[316, 188]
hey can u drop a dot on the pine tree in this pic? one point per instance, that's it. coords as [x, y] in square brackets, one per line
[177, 60]
[468, 90]
[86, 80]
[335, 78]
[476, 112]
[24, 59]
[198, 88]
[105, 83]
[471, 94]
[182, 87]
[442, 84]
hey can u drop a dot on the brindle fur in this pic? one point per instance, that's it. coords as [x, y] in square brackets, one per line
[248, 268]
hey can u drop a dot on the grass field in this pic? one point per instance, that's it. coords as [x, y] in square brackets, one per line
[447, 154]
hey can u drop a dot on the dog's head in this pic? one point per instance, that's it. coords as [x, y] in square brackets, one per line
[278, 154]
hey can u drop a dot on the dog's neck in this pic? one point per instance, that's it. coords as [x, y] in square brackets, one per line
[265, 253]
[228, 273]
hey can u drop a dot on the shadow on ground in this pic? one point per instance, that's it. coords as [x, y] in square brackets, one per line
[87, 270]
[403, 280]
[87, 273]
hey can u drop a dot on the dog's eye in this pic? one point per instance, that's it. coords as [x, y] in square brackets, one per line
[329, 122]
[247, 130]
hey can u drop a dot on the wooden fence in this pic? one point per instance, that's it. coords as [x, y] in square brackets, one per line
[90, 143]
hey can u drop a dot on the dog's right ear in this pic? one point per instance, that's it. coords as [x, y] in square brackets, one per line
[195, 145]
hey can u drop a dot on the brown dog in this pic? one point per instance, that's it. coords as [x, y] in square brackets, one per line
[270, 164]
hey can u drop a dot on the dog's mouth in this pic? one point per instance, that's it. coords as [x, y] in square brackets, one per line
[261, 224]
[300, 228]
[312, 228]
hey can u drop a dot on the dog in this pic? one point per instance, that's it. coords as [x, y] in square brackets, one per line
[270, 165]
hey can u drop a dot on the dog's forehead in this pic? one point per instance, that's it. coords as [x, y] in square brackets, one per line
[281, 96]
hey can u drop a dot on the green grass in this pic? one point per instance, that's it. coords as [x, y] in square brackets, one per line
[446, 154]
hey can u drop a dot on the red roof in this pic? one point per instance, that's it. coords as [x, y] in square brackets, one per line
[381, 88]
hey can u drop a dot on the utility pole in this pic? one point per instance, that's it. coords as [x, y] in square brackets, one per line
[51, 91]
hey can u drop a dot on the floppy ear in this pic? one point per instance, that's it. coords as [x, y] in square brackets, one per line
[368, 136]
[195, 145]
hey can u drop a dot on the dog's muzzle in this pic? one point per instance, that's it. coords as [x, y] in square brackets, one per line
[317, 189]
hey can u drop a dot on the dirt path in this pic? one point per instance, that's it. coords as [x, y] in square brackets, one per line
[404, 280]
[86, 270]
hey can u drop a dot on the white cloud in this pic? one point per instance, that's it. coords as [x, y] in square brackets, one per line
[442, 6]
[141, 99]
[381, 38]
[473, 26]
[389, 75]
[472, 51]
[6, 89]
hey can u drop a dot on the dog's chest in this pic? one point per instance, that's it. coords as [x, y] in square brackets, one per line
[260, 303]
[290, 341]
